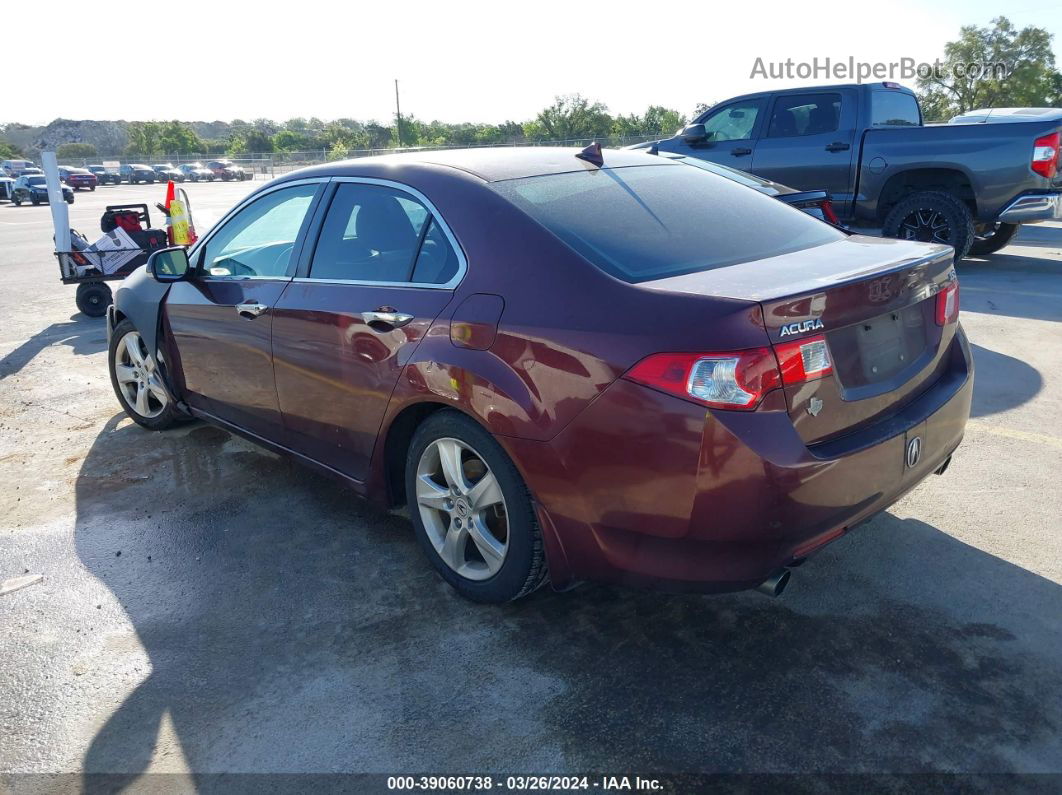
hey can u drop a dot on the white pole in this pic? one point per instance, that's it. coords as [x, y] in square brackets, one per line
[60, 212]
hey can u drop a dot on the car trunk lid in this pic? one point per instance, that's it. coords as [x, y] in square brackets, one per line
[873, 299]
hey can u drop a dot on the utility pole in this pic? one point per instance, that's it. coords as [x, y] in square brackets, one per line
[398, 115]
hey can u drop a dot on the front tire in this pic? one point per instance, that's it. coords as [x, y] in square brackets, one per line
[471, 511]
[990, 238]
[137, 381]
[932, 217]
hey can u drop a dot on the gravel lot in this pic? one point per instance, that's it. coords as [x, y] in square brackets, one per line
[208, 607]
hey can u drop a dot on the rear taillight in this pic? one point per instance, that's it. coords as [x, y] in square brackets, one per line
[1046, 155]
[828, 213]
[735, 380]
[803, 360]
[948, 304]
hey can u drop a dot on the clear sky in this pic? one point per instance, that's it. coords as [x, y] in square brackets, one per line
[462, 60]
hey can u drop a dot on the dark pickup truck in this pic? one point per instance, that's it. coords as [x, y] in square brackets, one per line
[969, 186]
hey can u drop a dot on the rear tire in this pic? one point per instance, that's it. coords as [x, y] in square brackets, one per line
[485, 542]
[93, 298]
[992, 238]
[932, 217]
[136, 381]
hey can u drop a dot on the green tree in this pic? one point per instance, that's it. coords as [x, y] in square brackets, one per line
[570, 116]
[250, 141]
[291, 141]
[8, 150]
[1031, 78]
[178, 138]
[144, 138]
[75, 150]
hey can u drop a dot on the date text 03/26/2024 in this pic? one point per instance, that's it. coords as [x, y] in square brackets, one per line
[524, 783]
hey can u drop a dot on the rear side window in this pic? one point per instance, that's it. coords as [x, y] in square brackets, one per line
[893, 109]
[373, 233]
[804, 114]
[651, 222]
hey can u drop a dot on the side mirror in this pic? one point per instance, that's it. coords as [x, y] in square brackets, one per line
[169, 264]
[694, 133]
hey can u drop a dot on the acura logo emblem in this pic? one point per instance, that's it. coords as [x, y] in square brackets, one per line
[914, 451]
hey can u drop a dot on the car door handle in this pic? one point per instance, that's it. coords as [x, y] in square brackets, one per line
[836, 146]
[386, 316]
[741, 150]
[250, 310]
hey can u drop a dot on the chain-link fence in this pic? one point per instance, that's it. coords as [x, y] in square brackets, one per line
[266, 165]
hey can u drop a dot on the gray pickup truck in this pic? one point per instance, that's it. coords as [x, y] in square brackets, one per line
[969, 186]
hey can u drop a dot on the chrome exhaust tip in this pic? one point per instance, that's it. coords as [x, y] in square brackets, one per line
[776, 583]
[943, 467]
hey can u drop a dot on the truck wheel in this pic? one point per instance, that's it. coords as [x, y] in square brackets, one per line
[932, 217]
[990, 238]
[93, 298]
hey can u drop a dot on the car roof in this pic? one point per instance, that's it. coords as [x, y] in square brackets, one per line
[490, 164]
[824, 89]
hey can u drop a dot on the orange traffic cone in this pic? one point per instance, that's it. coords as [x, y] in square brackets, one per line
[170, 196]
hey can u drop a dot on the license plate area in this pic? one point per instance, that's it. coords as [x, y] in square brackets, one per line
[876, 350]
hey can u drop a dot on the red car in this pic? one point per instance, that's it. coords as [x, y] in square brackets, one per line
[569, 365]
[78, 178]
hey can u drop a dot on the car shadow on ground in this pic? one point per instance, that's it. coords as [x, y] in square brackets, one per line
[1001, 382]
[292, 628]
[85, 335]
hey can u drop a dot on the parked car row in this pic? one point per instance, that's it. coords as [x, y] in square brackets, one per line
[224, 170]
[133, 173]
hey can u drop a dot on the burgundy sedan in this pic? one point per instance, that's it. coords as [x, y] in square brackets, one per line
[78, 178]
[620, 369]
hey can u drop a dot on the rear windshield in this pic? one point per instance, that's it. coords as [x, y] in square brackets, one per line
[893, 109]
[651, 222]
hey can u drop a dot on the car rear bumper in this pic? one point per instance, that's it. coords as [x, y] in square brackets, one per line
[643, 488]
[1029, 208]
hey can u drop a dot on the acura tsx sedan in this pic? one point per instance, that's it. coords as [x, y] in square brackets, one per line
[570, 365]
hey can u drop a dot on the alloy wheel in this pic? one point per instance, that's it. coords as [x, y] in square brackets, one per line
[463, 509]
[138, 377]
[927, 226]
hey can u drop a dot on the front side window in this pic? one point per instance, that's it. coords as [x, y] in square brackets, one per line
[373, 233]
[804, 114]
[259, 240]
[891, 108]
[733, 123]
[650, 222]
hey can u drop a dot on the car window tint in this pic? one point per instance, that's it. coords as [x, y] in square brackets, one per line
[259, 240]
[733, 123]
[891, 108]
[804, 114]
[650, 222]
[436, 261]
[371, 233]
